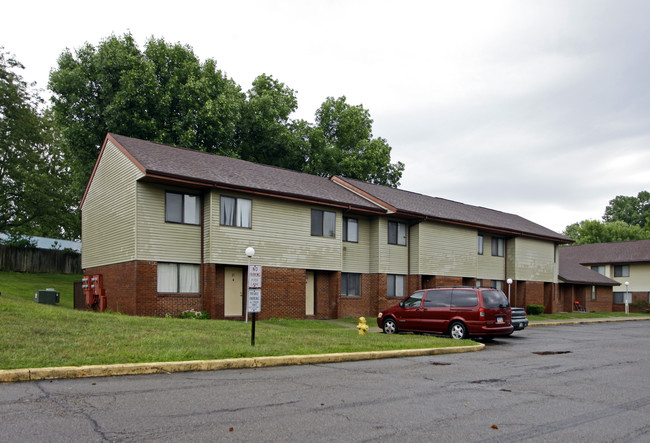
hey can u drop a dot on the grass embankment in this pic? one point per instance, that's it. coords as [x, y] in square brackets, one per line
[34, 335]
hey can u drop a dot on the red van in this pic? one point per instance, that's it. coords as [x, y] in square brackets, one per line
[459, 311]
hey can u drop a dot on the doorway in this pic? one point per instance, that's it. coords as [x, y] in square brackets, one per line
[310, 294]
[233, 292]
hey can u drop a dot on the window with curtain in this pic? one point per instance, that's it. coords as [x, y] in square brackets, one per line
[621, 270]
[350, 229]
[182, 208]
[350, 284]
[497, 246]
[480, 245]
[236, 212]
[323, 223]
[395, 285]
[396, 233]
[178, 278]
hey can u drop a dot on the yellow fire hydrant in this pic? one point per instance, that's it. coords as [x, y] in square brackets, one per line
[362, 326]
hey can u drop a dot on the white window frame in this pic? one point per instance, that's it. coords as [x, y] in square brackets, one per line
[320, 230]
[498, 246]
[624, 270]
[350, 226]
[345, 284]
[481, 242]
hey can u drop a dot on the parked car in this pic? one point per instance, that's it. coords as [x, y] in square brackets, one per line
[519, 319]
[460, 312]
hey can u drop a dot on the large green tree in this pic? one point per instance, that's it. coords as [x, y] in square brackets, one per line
[628, 209]
[34, 191]
[163, 93]
[343, 144]
[166, 94]
[594, 231]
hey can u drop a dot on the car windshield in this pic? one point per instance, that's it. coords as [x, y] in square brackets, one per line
[495, 299]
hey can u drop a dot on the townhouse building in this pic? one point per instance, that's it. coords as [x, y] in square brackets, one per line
[166, 228]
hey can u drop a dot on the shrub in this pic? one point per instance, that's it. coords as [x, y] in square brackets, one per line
[194, 315]
[641, 305]
[534, 309]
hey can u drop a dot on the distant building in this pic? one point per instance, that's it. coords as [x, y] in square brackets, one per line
[616, 262]
[49, 243]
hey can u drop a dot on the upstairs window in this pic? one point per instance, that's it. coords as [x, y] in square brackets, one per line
[236, 212]
[350, 229]
[621, 270]
[396, 233]
[599, 269]
[497, 246]
[323, 223]
[182, 208]
[480, 245]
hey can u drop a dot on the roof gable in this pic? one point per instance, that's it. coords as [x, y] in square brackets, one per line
[605, 253]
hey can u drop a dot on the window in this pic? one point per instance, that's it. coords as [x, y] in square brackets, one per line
[593, 292]
[350, 285]
[236, 212]
[350, 229]
[497, 284]
[440, 298]
[497, 246]
[323, 223]
[599, 269]
[463, 298]
[414, 300]
[622, 271]
[182, 208]
[619, 298]
[395, 285]
[178, 278]
[480, 245]
[396, 233]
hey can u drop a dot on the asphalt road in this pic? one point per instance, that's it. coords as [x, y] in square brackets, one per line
[561, 383]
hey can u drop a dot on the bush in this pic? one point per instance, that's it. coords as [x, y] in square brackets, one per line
[534, 309]
[194, 315]
[641, 305]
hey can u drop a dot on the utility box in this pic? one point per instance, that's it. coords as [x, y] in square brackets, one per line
[47, 296]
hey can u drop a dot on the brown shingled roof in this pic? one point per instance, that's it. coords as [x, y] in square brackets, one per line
[448, 210]
[573, 272]
[608, 253]
[159, 160]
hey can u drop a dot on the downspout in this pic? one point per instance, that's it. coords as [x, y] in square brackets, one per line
[201, 270]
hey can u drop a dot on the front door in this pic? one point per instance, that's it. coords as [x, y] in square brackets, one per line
[309, 294]
[234, 292]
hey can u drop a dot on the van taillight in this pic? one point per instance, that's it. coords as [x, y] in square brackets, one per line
[481, 312]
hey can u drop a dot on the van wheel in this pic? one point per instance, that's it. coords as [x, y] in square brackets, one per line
[458, 330]
[390, 327]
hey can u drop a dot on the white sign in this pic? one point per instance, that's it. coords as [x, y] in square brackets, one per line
[254, 300]
[255, 276]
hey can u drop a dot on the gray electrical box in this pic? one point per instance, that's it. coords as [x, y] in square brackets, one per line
[47, 296]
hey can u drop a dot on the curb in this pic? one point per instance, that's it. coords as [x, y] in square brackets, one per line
[585, 321]
[19, 375]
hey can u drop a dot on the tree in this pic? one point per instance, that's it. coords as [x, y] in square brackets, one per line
[165, 94]
[631, 210]
[594, 231]
[34, 197]
[162, 94]
[344, 145]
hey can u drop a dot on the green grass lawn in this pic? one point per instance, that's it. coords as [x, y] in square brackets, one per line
[37, 335]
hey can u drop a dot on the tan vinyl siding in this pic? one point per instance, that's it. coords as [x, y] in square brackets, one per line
[414, 247]
[639, 278]
[108, 227]
[489, 266]
[378, 232]
[161, 241]
[280, 235]
[447, 250]
[534, 260]
[356, 256]
[396, 259]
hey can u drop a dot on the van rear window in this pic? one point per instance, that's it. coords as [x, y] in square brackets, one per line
[494, 299]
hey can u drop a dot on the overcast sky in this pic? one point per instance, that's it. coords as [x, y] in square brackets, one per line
[541, 108]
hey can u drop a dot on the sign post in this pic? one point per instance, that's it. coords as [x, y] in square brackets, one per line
[254, 295]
